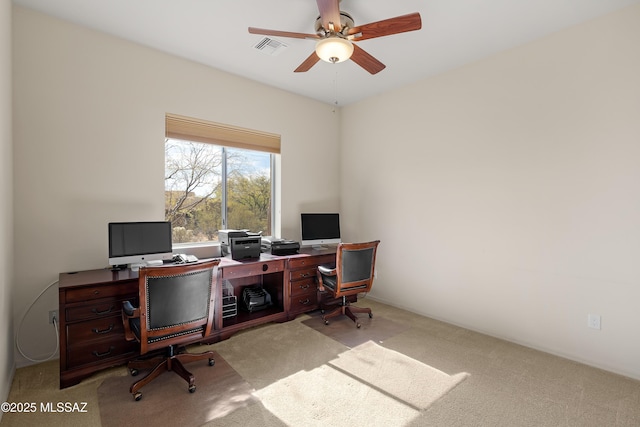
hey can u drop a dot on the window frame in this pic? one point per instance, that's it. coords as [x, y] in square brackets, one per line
[227, 136]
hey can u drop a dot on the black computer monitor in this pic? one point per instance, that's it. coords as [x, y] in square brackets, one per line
[320, 229]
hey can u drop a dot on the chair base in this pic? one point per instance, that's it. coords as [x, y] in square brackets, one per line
[173, 361]
[345, 308]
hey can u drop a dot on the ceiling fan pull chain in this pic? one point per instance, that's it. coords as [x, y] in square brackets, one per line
[335, 91]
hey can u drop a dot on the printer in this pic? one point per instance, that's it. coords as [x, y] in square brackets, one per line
[240, 244]
[276, 246]
[245, 247]
[225, 237]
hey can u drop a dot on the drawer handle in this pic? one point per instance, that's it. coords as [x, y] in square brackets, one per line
[104, 331]
[106, 353]
[305, 302]
[304, 274]
[96, 311]
[265, 267]
[304, 286]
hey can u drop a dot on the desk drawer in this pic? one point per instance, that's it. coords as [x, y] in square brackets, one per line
[99, 351]
[106, 307]
[304, 302]
[312, 261]
[96, 292]
[304, 273]
[104, 328]
[300, 287]
[252, 269]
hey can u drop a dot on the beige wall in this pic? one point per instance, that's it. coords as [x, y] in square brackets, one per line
[89, 147]
[507, 193]
[6, 207]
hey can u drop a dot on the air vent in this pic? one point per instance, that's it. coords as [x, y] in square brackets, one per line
[270, 46]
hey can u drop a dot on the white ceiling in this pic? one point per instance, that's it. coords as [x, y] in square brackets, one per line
[214, 32]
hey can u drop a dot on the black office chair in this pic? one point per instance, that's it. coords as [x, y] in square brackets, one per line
[353, 274]
[176, 308]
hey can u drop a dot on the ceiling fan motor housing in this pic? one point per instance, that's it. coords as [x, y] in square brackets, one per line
[346, 22]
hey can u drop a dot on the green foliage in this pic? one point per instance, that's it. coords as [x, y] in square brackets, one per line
[249, 202]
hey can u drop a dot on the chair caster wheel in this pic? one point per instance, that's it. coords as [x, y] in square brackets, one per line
[133, 372]
[358, 325]
[192, 388]
[370, 315]
[137, 396]
[212, 362]
[326, 322]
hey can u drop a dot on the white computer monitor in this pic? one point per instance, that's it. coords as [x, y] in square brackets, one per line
[139, 243]
[320, 229]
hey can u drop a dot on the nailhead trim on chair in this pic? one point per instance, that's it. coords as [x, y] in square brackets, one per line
[331, 286]
[178, 334]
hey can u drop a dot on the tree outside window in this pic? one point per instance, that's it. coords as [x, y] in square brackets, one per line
[210, 187]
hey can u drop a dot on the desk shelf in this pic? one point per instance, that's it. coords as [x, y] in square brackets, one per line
[270, 278]
[244, 318]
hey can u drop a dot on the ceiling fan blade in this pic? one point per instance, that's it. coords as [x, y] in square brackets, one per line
[387, 27]
[265, 32]
[308, 63]
[330, 13]
[366, 61]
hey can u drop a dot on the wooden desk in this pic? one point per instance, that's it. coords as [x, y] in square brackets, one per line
[90, 303]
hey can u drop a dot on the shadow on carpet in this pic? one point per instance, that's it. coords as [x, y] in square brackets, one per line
[167, 401]
[343, 329]
[368, 384]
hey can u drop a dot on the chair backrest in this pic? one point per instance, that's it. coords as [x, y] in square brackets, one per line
[355, 265]
[176, 303]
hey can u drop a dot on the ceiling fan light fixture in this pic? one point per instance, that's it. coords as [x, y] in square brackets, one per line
[334, 49]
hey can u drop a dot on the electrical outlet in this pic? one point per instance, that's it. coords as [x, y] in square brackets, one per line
[53, 314]
[593, 321]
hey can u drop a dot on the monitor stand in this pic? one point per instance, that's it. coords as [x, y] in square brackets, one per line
[152, 263]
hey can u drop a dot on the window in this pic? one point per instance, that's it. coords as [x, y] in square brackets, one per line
[217, 177]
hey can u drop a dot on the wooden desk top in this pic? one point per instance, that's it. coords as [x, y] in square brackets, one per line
[304, 252]
[106, 275]
[95, 277]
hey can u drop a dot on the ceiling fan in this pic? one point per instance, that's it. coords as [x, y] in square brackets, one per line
[336, 32]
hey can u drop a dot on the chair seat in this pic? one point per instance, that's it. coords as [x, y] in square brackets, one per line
[331, 283]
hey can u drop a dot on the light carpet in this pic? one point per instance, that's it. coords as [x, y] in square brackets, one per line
[406, 379]
[368, 382]
[298, 372]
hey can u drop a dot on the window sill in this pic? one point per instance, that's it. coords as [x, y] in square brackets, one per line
[201, 250]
